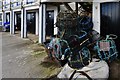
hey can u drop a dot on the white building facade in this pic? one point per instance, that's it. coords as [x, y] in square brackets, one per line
[39, 8]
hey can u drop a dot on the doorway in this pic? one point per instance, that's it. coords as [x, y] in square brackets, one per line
[49, 23]
[31, 22]
[18, 21]
[110, 20]
[7, 17]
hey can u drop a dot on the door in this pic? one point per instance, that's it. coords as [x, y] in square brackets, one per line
[7, 17]
[110, 20]
[31, 22]
[18, 21]
[49, 23]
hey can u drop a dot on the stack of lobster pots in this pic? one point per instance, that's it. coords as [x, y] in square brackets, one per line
[76, 41]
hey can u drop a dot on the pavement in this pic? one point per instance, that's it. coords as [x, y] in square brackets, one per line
[114, 68]
[23, 59]
[14, 53]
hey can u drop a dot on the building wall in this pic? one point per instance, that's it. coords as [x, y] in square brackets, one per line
[6, 3]
[96, 16]
[0, 6]
[96, 13]
[72, 5]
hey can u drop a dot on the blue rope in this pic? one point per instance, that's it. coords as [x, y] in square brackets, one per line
[112, 53]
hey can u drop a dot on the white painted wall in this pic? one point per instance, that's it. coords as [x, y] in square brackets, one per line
[44, 22]
[72, 5]
[25, 24]
[40, 24]
[22, 23]
[55, 8]
[3, 15]
[32, 7]
[78, 0]
[66, 0]
[101, 1]
[34, 2]
[11, 22]
[30, 0]
[96, 16]
[37, 23]
[17, 10]
[0, 6]
[17, 4]
[6, 2]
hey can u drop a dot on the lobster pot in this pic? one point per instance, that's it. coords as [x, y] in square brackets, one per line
[106, 50]
[85, 23]
[94, 36]
[57, 48]
[65, 51]
[79, 59]
[78, 41]
[67, 23]
[66, 19]
[79, 54]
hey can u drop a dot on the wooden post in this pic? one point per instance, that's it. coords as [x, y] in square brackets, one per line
[76, 6]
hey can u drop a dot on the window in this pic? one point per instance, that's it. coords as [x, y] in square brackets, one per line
[18, 3]
[7, 4]
[12, 5]
[30, 1]
[0, 5]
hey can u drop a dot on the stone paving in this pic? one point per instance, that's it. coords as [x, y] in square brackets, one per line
[22, 58]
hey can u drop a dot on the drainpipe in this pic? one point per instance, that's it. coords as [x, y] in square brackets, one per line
[40, 23]
[13, 24]
[22, 20]
[96, 16]
[37, 23]
[25, 23]
[76, 6]
[11, 14]
[12, 19]
[44, 22]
